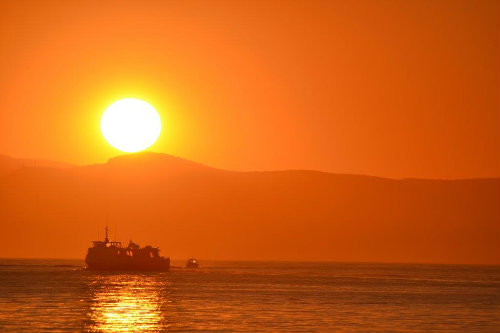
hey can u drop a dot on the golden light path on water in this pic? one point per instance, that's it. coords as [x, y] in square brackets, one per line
[127, 303]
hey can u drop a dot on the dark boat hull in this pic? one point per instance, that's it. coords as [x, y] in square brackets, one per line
[128, 264]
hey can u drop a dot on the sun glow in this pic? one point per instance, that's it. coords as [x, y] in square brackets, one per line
[130, 125]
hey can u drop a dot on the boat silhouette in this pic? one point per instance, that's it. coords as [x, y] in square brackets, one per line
[111, 256]
[192, 263]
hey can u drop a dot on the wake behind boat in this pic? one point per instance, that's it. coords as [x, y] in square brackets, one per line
[107, 255]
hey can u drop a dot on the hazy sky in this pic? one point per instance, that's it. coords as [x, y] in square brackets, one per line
[387, 88]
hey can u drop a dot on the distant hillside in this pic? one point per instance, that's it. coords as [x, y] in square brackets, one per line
[190, 209]
[9, 164]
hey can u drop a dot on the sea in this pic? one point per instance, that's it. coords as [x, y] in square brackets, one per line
[233, 296]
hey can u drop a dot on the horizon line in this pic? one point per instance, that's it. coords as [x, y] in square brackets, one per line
[288, 261]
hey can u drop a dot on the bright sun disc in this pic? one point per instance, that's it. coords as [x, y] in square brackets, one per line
[130, 125]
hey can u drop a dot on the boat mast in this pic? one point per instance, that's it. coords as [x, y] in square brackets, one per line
[106, 240]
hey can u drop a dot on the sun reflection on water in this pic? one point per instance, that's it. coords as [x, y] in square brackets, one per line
[127, 303]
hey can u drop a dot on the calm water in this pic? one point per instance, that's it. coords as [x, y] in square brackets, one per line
[56, 295]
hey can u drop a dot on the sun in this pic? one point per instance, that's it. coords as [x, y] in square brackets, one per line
[130, 125]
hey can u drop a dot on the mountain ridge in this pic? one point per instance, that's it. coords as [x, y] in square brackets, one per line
[120, 159]
[190, 209]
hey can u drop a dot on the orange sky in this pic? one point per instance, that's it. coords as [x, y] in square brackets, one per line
[387, 88]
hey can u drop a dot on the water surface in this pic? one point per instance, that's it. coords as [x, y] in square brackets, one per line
[57, 295]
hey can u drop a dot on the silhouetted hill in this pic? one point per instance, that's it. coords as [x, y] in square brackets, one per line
[190, 209]
[142, 167]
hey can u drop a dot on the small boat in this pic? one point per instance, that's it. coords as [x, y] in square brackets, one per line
[192, 263]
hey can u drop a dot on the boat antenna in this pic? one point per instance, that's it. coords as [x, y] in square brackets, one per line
[106, 240]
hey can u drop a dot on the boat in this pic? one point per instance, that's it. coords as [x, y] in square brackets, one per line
[192, 263]
[111, 256]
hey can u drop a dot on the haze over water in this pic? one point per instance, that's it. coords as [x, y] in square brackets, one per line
[57, 295]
